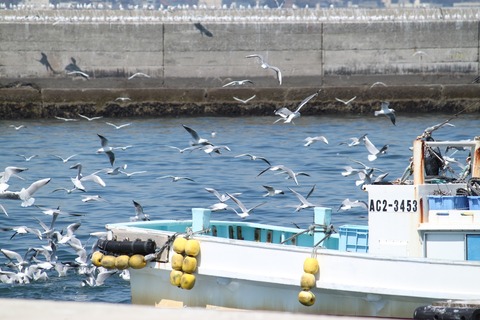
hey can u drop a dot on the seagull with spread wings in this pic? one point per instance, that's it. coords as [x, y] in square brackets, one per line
[265, 65]
[287, 116]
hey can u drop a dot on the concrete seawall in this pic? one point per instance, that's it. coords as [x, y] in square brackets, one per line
[428, 59]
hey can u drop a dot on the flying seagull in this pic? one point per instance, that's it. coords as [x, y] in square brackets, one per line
[246, 100]
[138, 74]
[385, 110]
[198, 141]
[244, 211]
[346, 102]
[265, 65]
[106, 149]
[237, 83]
[287, 116]
[374, 151]
[311, 140]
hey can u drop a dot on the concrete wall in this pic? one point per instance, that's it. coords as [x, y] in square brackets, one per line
[301, 46]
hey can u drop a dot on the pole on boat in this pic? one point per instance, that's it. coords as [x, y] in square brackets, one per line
[200, 219]
[418, 163]
[476, 159]
[322, 216]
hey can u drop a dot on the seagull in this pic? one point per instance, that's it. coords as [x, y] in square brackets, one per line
[79, 73]
[419, 53]
[27, 158]
[23, 230]
[310, 140]
[282, 168]
[138, 74]
[220, 206]
[176, 178]
[123, 99]
[253, 157]
[246, 100]
[385, 110]
[304, 203]
[26, 194]
[17, 127]
[428, 131]
[374, 152]
[221, 197]
[68, 191]
[77, 181]
[244, 211]
[354, 141]
[65, 119]
[237, 83]
[212, 148]
[139, 214]
[191, 148]
[197, 139]
[92, 198]
[347, 204]
[129, 174]
[118, 126]
[265, 65]
[106, 149]
[65, 160]
[271, 191]
[6, 174]
[89, 119]
[378, 83]
[346, 102]
[288, 115]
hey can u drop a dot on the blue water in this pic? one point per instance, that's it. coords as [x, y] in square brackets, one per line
[162, 199]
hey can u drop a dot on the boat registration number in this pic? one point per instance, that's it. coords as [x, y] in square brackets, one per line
[396, 205]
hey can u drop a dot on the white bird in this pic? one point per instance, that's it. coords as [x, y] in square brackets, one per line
[79, 178]
[15, 258]
[27, 158]
[65, 160]
[65, 119]
[26, 194]
[378, 83]
[304, 203]
[385, 110]
[23, 230]
[129, 174]
[220, 206]
[138, 74]
[291, 174]
[354, 141]
[123, 99]
[197, 139]
[244, 211]
[176, 178]
[220, 197]
[17, 127]
[139, 214]
[346, 102]
[106, 149]
[265, 65]
[118, 126]
[92, 198]
[88, 118]
[288, 116]
[246, 100]
[253, 157]
[79, 73]
[191, 148]
[237, 83]
[271, 191]
[374, 151]
[310, 140]
[209, 148]
[4, 210]
[347, 204]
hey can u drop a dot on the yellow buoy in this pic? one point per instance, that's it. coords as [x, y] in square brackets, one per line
[307, 298]
[108, 262]
[307, 281]
[137, 261]
[97, 258]
[177, 261]
[179, 244]
[176, 277]
[187, 281]
[189, 264]
[121, 262]
[310, 265]
[192, 247]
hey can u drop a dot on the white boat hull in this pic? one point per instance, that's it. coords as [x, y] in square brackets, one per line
[258, 276]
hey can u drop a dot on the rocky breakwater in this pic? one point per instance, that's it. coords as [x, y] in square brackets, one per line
[177, 62]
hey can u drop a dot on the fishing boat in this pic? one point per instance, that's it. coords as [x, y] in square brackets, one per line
[421, 247]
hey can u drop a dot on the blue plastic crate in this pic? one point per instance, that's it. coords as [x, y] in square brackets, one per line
[353, 238]
[448, 202]
[474, 202]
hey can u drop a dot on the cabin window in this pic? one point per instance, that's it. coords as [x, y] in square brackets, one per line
[473, 247]
[230, 232]
[239, 233]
